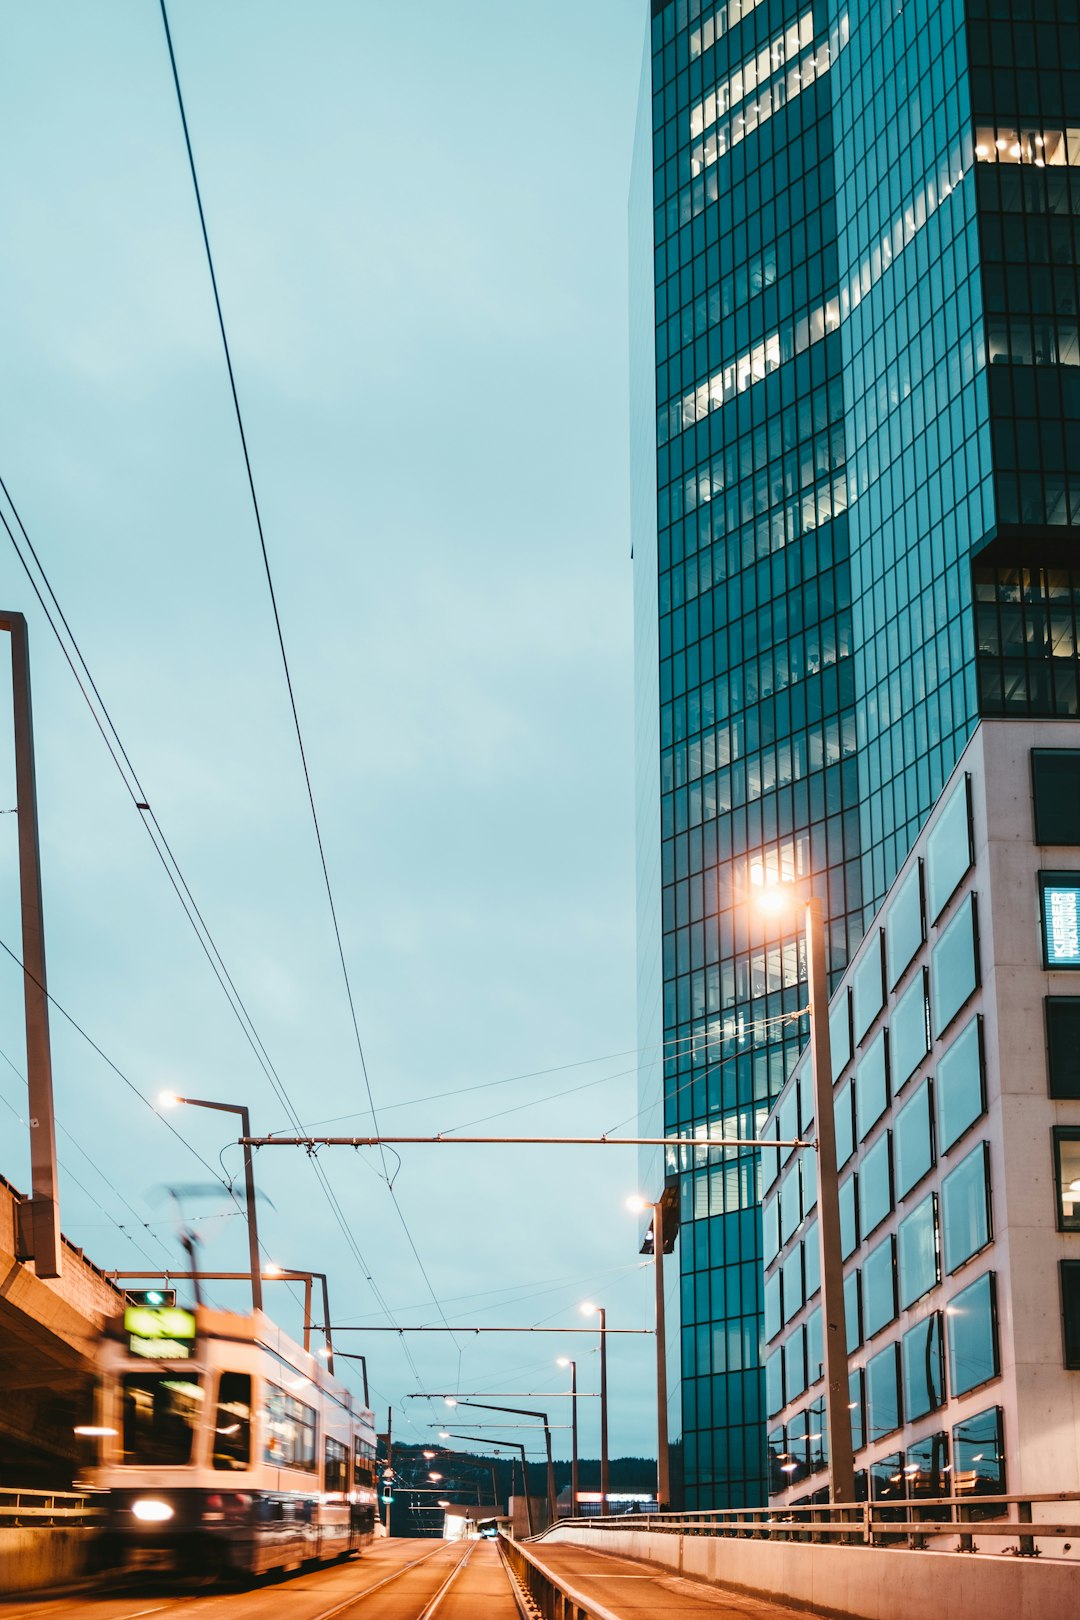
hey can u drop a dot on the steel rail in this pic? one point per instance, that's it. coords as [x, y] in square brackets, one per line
[343, 1605]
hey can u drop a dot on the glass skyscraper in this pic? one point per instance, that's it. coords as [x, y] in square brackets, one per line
[855, 231]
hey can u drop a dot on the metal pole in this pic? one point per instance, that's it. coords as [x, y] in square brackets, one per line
[307, 1311]
[663, 1480]
[389, 1462]
[249, 1185]
[574, 1442]
[510, 1445]
[553, 1501]
[40, 1229]
[603, 1412]
[837, 1411]
[326, 1322]
[252, 1224]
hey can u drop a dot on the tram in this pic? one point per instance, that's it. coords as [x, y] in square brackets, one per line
[223, 1447]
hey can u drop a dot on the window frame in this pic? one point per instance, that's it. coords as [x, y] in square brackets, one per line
[1058, 1135]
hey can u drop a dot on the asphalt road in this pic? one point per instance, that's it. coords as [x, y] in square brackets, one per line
[394, 1580]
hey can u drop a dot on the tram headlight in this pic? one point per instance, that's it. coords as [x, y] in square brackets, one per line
[149, 1510]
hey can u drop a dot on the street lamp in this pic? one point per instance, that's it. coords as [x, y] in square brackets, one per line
[567, 1361]
[663, 1474]
[308, 1278]
[589, 1309]
[774, 897]
[169, 1099]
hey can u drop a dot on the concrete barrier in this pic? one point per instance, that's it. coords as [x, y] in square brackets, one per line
[33, 1558]
[854, 1583]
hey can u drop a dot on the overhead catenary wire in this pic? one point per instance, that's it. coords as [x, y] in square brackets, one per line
[279, 630]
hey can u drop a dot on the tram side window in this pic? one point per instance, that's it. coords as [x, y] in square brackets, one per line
[336, 1477]
[364, 1462]
[290, 1431]
[232, 1426]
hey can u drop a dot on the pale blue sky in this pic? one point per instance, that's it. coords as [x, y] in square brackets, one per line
[418, 215]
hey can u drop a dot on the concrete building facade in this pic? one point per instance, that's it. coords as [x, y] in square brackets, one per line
[956, 1069]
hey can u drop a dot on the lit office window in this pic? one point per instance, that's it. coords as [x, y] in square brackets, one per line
[1055, 777]
[965, 1208]
[1067, 1177]
[883, 1409]
[913, 1134]
[971, 1316]
[961, 1088]
[905, 928]
[923, 1357]
[909, 1031]
[1063, 1046]
[1060, 905]
[948, 849]
[879, 1288]
[917, 1247]
[954, 965]
[979, 1455]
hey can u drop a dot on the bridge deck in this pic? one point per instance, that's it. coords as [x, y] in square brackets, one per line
[631, 1590]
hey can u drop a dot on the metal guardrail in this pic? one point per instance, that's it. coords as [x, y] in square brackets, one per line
[870, 1524]
[43, 1508]
[540, 1592]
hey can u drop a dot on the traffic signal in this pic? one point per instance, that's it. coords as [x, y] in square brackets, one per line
[154, 1297]
[387, 1496]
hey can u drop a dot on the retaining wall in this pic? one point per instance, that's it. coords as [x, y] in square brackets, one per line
[54, 1555]
[854, 1583]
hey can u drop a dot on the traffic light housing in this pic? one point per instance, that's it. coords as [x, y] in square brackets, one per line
[151, 1296]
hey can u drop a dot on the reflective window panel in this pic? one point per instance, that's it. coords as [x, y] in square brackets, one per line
[913, 1139]
[960, 1090]
[954, 965]
[965, 1208]
[916, 1242]
[971, 1318]
[923, 1357]
[948, 849]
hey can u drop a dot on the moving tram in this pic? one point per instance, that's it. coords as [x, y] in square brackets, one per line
[223, 1447]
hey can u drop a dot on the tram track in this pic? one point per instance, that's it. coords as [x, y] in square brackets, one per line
[445, 1582]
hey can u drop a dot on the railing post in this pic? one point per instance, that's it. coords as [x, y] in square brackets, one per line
[1027, 1543]
[967, 1543]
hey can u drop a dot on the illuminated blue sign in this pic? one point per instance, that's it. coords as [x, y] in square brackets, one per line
[1061, 919]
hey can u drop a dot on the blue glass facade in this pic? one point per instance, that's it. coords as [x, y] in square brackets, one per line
[850, 462]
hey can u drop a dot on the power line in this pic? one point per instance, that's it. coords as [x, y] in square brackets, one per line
[281, 640]
[106, 726]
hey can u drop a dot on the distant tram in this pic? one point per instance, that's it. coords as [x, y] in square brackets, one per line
[225, 1447]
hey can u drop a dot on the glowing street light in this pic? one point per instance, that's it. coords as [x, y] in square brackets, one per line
[663, 1477]
[774, 897]
[589, 1309]
[567, 1361]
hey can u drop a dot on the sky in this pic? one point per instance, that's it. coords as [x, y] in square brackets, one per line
[418, 217]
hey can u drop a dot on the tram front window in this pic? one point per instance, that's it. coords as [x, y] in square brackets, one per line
[161, 1413]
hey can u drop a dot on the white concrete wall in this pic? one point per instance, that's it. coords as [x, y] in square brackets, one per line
[854, 1583]
[31, 1560]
